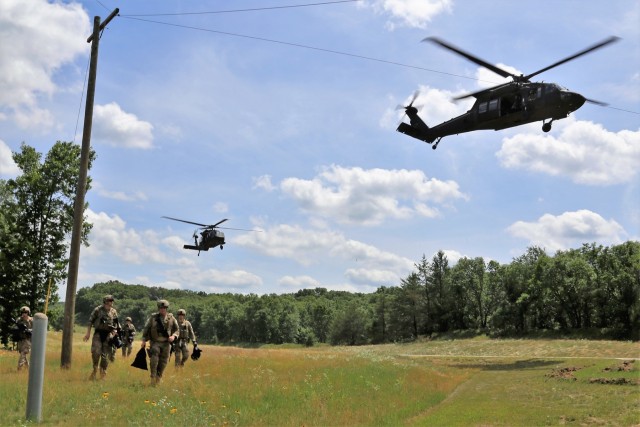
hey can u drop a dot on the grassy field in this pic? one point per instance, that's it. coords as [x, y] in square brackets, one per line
[478, 382]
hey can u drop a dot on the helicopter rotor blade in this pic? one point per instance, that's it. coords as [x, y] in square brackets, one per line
[600, 103]
[470, 57]
[603, 43]
[217, 223]
[188, 222]
[239, 229]
[480, 92]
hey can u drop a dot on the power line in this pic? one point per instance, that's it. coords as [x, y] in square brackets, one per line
[302, 46]
[336, 52]
[246, 10]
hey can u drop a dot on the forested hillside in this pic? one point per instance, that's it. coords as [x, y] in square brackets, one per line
[593, 287]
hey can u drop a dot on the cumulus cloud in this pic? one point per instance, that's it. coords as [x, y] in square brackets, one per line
[298, 282]
[7, 165]
[434, 106]
[368, 197]
[263, 182]
[309, 246]
[569, 229]
[367, 276]
[31, 53]
[111, 236]
[411, 13]
[585, 152]
[113, 126]
[212, 280]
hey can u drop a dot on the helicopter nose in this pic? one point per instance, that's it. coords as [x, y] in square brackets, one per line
[573, 100]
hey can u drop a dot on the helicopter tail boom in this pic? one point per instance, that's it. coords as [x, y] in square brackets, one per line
[417, 128]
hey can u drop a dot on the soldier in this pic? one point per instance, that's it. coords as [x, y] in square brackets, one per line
[161, 329]
[185, 334]
[104, 319]
[128, 332]
[24, 325]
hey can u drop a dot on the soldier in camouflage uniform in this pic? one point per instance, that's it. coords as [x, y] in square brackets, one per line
[185, 334]
[128, 332]
[104, 319]
[162, 330]
[24, 323]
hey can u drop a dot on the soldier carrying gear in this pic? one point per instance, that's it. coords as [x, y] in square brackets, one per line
[186, 334]
[104, 320]
[128, 332]
[162, 330]
[24, 327]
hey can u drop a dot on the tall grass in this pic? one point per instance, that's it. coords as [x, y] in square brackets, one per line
[372, 385]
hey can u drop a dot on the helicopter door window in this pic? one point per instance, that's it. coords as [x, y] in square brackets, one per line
[493, 105]
[482, 107]
[540, 92]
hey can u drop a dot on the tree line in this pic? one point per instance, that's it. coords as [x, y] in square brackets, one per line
[590, 288]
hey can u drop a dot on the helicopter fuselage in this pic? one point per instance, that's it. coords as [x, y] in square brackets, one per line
[509, 105]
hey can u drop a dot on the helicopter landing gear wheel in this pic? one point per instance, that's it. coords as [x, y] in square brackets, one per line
[435, 145]
[546, 127]
[220, 247]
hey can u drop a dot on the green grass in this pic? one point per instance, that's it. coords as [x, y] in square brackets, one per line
[447, 382]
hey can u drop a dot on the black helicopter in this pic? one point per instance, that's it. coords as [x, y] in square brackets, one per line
[210, 237]
[510, 104]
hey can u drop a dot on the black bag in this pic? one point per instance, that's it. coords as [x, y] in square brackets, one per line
[140, 361]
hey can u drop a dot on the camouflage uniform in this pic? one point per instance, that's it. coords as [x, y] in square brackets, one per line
[185, 334]
[129, 332]
[104, 319]
[161, 329]
[25, 326]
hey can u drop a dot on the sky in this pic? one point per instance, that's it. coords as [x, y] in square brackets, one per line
[282, 119]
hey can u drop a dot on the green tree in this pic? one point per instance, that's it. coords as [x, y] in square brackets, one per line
[35, 226]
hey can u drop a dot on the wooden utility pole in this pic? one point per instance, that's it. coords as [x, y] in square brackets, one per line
[78, 206]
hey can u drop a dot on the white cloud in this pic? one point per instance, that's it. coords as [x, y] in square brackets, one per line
[487, 78]
[120, 195]
[31, 53]
[412, 13]
[220, 207]
[367, 276]
[7, 165]
[569, 229]
[317, 246]
[298, 282]
[585, 152]
[368, 197]
[113, 126]
[110, 236]
[434, 107]
[212, 280]
[263, 182]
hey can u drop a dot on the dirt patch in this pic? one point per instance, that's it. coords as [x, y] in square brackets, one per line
[625, 366]
[564, 373]
[614, 381]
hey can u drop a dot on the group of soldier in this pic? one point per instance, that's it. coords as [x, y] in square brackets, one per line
[164, 333]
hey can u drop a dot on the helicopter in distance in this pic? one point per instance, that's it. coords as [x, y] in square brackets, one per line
[210, 236]
[507, 105]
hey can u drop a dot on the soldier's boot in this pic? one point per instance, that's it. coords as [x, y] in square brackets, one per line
[103, 373]
[92, 377]
[153, 382]
[158, 379]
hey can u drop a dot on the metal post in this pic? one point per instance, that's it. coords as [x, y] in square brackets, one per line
[36, 367]
[78, 206]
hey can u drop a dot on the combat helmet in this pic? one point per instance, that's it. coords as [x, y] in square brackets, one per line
[163, 303]
[25, 309]
[181, 311]
[107, 298]
[128, 319]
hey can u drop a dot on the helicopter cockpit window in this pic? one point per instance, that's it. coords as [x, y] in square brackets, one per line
[482, 107]
[493, 105]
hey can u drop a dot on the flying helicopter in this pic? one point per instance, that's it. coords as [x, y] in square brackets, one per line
[510, 104]
[210, 236]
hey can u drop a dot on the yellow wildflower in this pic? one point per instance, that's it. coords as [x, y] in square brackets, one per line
[173, 410]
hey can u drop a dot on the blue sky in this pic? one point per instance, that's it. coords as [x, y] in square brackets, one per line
[296, 136]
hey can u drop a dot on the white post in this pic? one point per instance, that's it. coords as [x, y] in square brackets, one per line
[36, 367]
